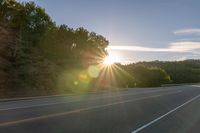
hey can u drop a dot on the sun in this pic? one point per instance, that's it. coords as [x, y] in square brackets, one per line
[110, 59]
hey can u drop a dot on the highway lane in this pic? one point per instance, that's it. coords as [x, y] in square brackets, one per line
[68, 99]
[117, 112]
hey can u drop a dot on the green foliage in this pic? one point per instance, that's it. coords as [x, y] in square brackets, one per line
[146, 77]
[187, 71]
[45, 51]
[73, 47]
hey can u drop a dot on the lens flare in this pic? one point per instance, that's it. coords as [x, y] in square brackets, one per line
[93, 71]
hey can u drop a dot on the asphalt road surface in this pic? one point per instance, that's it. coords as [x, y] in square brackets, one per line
[151, 110]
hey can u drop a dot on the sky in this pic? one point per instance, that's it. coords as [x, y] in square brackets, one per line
[138, 30]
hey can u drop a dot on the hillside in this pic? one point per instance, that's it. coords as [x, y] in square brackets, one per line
[8, 74]
[37, 57]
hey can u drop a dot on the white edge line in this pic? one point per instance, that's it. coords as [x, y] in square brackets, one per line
[159, 118]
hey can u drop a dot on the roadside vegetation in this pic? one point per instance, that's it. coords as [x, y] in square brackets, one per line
[38, 57]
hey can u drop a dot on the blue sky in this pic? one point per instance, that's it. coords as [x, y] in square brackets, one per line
[137, 29]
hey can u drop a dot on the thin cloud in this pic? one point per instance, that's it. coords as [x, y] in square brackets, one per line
[185, 46]
[195, 31]
[194, 39]
[173, 47]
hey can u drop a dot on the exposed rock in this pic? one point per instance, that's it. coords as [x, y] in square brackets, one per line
[8, 76]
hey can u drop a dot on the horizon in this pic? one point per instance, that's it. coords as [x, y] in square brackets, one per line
[137, 30]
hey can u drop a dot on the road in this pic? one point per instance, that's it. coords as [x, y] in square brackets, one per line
[174, 109]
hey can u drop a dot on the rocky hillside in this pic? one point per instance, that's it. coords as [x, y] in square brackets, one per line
[8, 74]
[12, 83]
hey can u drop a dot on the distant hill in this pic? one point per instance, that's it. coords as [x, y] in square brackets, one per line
[187, 71]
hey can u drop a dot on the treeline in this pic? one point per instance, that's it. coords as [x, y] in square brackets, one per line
[38, 57]
[187, 71]
[139, 75]
[47, 58]
[156, 73]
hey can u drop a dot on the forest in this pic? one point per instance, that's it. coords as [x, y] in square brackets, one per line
[39, 57]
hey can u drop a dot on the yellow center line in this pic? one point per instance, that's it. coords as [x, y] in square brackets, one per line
[79, 110]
